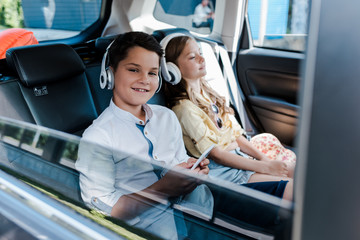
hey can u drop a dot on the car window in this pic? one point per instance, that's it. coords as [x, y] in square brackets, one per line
[194, 15]
[280, 24]
[45, 160]
[49, 19]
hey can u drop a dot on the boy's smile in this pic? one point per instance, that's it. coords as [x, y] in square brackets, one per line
[140, 90]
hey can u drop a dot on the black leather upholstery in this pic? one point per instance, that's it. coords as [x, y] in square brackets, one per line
[41, 64]
[160, 34]
[54, 86]
[103, 42]
[12, 103]
[100, 96]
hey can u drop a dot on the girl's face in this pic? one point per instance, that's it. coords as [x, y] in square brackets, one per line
[191, 62]
[136, 78]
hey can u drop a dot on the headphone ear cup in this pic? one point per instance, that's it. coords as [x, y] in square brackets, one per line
[106, 74]
[110, 79]
[160, 83]
[163, 70]
[174, 72]
[103, 73]
[103, 79]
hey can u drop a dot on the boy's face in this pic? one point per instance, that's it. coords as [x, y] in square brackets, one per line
[136, 78]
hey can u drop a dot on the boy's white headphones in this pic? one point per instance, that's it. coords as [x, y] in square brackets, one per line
[170, 72]
[107, 75]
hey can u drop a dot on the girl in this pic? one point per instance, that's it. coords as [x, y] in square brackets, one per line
[206, 120]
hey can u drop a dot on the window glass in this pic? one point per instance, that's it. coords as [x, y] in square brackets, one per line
[49, 19]
[280, 24]
[44, 159]
[194, 15]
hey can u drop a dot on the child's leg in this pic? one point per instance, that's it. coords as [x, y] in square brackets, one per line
[272, 148]
[259, 177]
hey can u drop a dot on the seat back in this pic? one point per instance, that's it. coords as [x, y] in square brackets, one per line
[12, 103]
[54, 86]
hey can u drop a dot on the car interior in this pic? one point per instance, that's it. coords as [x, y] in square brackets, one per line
[53, 87]
[68, 99]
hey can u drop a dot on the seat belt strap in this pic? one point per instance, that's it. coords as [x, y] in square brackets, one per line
[235, 92]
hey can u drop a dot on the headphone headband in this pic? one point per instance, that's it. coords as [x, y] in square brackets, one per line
[164, 42]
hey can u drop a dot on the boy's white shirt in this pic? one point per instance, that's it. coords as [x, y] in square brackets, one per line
[108, 165]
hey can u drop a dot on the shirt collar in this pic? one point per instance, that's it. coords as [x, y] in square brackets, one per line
[125, 115]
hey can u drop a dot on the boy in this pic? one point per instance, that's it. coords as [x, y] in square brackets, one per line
[112, 179]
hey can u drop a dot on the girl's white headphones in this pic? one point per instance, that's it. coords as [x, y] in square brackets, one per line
[107, 75]
[170, 72]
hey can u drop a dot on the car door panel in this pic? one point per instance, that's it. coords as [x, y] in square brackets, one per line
[270, 82]
[276, 117]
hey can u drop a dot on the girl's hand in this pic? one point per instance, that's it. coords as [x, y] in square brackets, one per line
[265, 158]
[289, 166]
[277, 168]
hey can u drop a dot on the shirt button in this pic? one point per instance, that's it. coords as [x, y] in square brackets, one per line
[155, 157]
[141, 122]
[146, 133]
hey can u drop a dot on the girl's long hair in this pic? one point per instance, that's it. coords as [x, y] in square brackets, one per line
[175, 93]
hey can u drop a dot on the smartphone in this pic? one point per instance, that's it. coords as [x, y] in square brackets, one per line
[204, 155]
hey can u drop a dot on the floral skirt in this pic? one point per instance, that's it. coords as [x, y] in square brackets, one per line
[272, 148]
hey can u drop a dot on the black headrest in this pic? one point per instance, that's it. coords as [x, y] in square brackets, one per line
[160, 34]
[41, 64]
[103, 42]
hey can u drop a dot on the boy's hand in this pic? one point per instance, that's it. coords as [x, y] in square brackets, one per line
[176, 184]
[202, 168]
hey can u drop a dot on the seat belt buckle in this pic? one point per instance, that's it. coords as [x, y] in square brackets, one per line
[248, 135]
